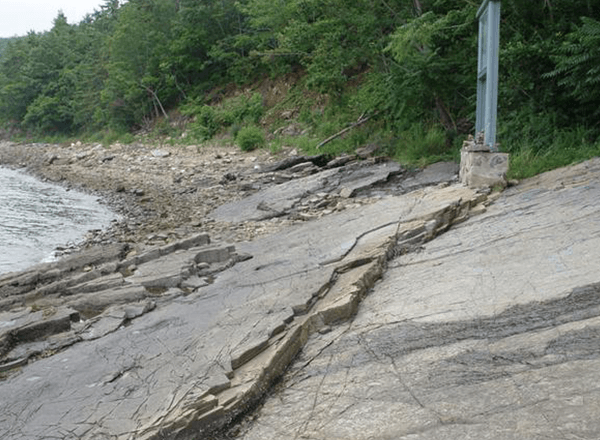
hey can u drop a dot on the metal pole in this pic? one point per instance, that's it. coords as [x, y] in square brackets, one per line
[487, 70]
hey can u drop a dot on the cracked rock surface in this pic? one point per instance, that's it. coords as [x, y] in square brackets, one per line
[193, 363]
[175, 341]
[490, 331]
[401, 305]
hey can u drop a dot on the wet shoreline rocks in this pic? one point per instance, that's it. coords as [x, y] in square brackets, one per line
[216, 265]
[167, 193]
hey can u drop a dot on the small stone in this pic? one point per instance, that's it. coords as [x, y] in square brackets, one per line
[324, 330]
[346, 193]
[287, 114]
[367, 150]
[160, 153]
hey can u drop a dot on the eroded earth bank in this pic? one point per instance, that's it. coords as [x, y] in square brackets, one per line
[390, 303]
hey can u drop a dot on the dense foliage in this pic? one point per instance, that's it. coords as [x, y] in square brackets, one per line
[410, 64]
[3, 44]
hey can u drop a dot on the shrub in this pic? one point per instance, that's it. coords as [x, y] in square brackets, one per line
[233, 112]
[241, 109]
[578, 64]
[127, 138]
[110, 136]
[206, 125]
[250, 138]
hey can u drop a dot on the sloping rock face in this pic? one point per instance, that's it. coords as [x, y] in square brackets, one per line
[490, 331]
[279, 200]
[462, 326]
[177, 341]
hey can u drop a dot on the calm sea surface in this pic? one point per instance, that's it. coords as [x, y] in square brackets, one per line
[36, 217]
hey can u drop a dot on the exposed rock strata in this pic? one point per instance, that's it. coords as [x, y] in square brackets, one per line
[490, 331]
[168, 196]
[226, 342]
[175, 340]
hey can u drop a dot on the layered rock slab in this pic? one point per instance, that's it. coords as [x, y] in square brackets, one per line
[490, 331]
[280, 199]
[199, 360]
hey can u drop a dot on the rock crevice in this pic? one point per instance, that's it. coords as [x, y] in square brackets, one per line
[185, 336]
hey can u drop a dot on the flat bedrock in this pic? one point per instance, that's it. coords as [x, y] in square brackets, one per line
[395, 304]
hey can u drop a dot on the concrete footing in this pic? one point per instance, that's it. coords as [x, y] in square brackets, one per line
[481, 167]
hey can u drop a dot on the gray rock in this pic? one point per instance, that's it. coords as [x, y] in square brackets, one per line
[485, 330]
[160, 153]
[367, 150]
[437, 173]
[279, 200]
[197, 361]
[490, 331]
[29, 326]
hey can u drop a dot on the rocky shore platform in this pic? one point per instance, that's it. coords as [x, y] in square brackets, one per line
[260, 296]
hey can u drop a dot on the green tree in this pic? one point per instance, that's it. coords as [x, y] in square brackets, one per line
[532, 33]
[578, 65]
[17, 85]
[434, 70]
[139, 82]
[210, 45]
[50, 68]
[333, 40]
[3, 44]
[91, 70]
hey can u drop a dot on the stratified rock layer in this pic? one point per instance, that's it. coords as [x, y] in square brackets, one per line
[461, 326]
[490, 331]
[198, 355]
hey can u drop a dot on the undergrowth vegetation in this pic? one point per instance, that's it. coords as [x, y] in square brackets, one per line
[321, 76]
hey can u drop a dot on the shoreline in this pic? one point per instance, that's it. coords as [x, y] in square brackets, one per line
[44, 221]
[166, 196]
[239, 260]
[380, 274]
[160, 193]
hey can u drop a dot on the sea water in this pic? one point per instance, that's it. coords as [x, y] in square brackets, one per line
[36, 217]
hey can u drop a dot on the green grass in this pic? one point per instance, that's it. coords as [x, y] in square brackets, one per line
[527, 162]
[421, 145]
[540, 146]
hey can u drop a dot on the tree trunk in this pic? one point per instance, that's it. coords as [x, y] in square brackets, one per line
[156, 101]
[445, 116]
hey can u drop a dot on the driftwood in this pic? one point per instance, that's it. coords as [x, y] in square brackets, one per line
[361, 120]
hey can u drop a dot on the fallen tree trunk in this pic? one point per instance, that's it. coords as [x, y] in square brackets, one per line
[360, 121]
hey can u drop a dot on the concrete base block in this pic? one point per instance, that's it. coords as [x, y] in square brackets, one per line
[483, 169]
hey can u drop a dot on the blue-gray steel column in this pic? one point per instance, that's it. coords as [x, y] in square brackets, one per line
[487, 69]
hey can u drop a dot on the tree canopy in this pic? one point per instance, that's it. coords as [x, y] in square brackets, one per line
[413, 60]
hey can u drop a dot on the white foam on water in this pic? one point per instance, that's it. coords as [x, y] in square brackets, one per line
[36, 217]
